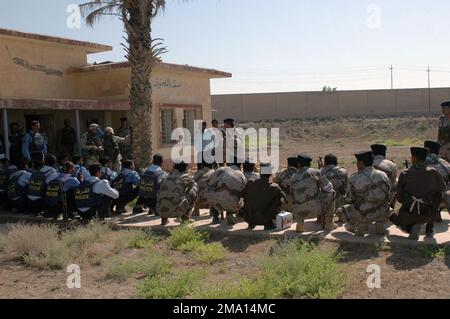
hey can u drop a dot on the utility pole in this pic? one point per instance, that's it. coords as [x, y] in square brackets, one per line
[392, 77]
[429, 89]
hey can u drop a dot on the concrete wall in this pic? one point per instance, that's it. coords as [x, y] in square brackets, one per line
[296, 105]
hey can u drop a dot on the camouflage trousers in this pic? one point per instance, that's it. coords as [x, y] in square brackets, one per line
[223, 201]
[355, 218]
[324, 206]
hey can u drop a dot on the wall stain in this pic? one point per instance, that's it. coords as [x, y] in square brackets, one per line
[37, 67]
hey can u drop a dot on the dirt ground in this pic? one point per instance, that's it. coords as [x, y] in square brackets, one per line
[406, 272]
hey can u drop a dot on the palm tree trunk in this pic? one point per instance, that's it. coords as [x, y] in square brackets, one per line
[138, 27]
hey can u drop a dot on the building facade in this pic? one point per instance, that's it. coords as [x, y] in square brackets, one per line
[48, 79]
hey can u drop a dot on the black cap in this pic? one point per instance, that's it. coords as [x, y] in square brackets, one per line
[379, 149]
[420, 152]
[180, 166]
[292, 161]
[304, 160]
[445, 104]
[248, 167]
[229, 121]
[434, 147]
[364, 156]
[331, 159]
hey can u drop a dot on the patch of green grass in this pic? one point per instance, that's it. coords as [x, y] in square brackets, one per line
[83, 237]
[435, 251]
[141, 240]
[152, 264]
[171, 286]
[295, 269]
[185, 238]
[210, 253]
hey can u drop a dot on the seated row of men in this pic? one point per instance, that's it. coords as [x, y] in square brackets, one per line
[366, 197]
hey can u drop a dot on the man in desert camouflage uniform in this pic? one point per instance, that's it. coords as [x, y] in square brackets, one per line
[224, 193]
[443, 167]
[283, 179]
[123, 132]
[201, 177]
[368, 197]
[249, 172]
[390, 168]
[313, 195]
[177, 195]
[444, 132]
[91, 145]
[338, 176]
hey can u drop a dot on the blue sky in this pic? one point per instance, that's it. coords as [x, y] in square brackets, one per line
[279, 45]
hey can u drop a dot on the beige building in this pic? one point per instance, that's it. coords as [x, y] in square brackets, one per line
[48, 79]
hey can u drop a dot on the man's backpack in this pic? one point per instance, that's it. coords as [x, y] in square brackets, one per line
[149, 184]
[84, 195]
[14, 189]
[122, 187]
[37, 186]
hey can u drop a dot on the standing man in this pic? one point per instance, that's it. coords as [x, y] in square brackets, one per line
[34, 145]
[262, 201]
[123, 132]
[111, 148]
[67, 139]
[444, 131]
[15, 143]
[91, 145]
[367, 197]
[313, 195]
[420, 191]
[390, 168]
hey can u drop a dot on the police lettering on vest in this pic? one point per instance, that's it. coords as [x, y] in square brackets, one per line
[149, 184]
[37, 186]
[84, 195]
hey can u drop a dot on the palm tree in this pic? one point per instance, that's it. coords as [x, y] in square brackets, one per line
[143, 52]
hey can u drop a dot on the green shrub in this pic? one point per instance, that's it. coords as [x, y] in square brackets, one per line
[210, 253]
[152, 264]
[294, 270]
[171, 286]
[434, 251]
[141, 240]
[53, 257]
[182, 235]
[83, 237]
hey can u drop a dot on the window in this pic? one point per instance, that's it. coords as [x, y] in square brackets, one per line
[167, 121]
[188, 121]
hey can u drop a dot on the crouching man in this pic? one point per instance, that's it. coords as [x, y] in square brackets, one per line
[368, 197]
[313, 195]
[177, 195]
[94, 195]
[127, 183]
[419, 191]
[262, 200]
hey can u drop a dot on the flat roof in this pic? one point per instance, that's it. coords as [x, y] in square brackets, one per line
[63, 104]
[212, 73]
[90, 47]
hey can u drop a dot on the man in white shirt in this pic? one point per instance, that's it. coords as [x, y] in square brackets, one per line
[95, 195]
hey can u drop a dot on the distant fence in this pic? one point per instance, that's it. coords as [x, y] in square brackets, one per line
[297, 105]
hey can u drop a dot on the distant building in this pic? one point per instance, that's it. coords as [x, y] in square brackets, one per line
[48, 79]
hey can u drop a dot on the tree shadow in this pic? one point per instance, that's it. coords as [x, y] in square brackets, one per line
[408, 257]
